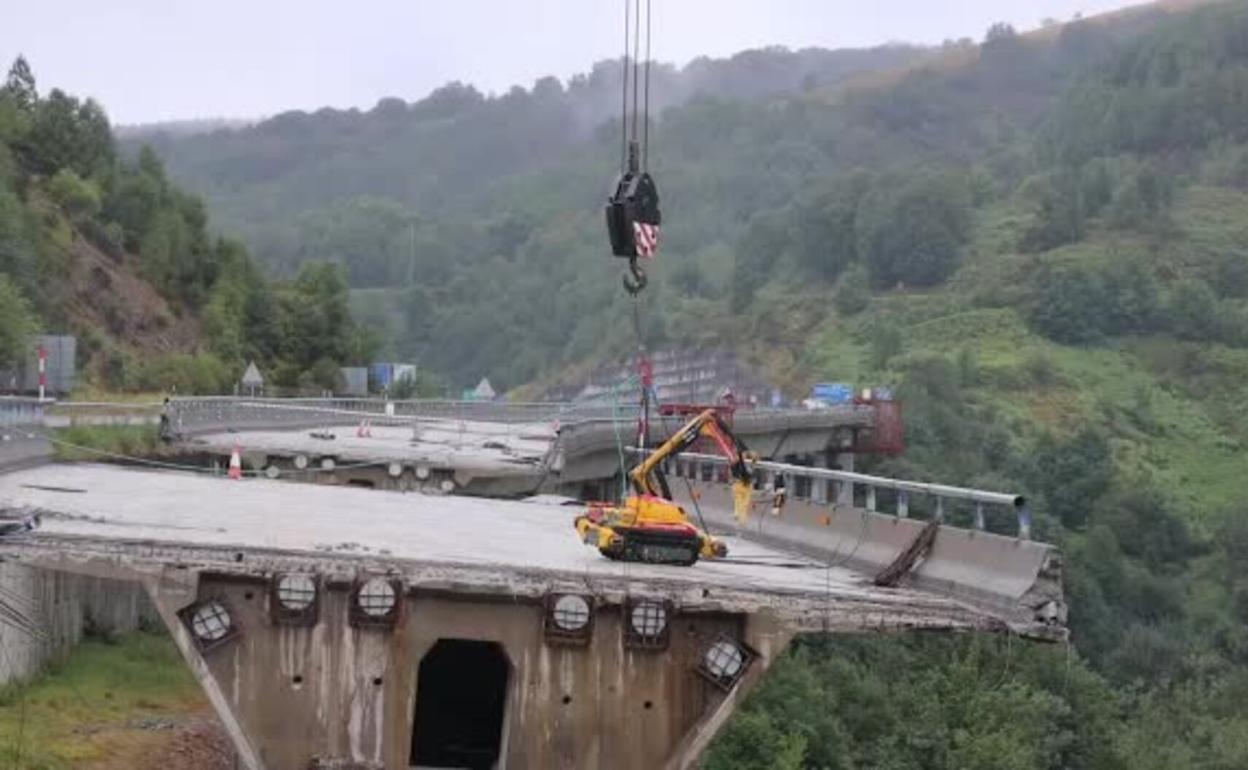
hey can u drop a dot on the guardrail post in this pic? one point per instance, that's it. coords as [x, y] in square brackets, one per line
[871, 498]
[903, 503]
[1024, 522]
[819, 488]
[979, 516]
[940, 509]
[845, 489]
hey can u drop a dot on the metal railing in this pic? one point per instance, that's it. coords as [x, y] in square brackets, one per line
[212, 413]
[237, 412]
[902, 489]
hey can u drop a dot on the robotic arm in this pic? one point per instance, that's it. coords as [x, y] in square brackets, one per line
[648, 478]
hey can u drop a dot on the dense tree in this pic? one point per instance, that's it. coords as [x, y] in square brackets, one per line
[1056, 211]
[17, 322]
[912, 230]
[1072, 474]
[79, 198]
[62, 184]
[66, 133]
[19, 85]
[853, 293]
[1067, 306]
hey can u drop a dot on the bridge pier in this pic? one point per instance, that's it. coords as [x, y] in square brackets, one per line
[450, 678]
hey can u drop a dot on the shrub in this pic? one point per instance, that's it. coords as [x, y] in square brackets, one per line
[200, 374]
[853, 294]
[79, 198]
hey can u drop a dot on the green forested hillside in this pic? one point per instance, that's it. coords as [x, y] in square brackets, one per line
[479, 216]
[1042, 241]
[112, 251]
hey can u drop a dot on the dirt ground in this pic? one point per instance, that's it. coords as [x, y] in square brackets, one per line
[200, 743]
[193, 741]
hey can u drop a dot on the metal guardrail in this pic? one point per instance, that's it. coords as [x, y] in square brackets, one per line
[940, 493]
[194, 415]
[208, 413]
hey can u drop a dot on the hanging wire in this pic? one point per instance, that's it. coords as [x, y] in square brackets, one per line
[616, 391]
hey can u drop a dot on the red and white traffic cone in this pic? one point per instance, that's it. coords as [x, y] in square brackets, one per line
[236, 463]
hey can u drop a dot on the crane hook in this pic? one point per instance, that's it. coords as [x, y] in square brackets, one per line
[635, 280]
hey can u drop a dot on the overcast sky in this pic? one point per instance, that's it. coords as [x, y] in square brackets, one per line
[147, 60]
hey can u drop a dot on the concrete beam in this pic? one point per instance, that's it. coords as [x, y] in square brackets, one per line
[171, 592]
[768, 637]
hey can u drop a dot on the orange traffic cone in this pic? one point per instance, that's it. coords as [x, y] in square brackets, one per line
[236, 463]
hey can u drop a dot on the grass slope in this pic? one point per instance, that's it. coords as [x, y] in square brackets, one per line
[108, 705]
[1173, 407]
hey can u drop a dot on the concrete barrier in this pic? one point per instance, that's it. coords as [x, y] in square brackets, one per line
[43, 614]
[19, 446]
[1020, 579]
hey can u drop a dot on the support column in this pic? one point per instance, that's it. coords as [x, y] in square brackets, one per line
[845, 489]
[769, 638]
[820, 492]
[169, 593]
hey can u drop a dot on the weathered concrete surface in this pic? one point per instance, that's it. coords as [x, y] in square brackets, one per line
[496, 447]
[487, 546]
[484, 458]
[44, 613]
[334, 692]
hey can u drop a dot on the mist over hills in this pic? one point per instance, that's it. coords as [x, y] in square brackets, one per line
[1039, 240]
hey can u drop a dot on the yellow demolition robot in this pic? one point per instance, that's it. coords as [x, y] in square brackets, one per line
[648, 527]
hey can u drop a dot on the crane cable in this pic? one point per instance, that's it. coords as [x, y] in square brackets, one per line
[635, 122]
[635, 154]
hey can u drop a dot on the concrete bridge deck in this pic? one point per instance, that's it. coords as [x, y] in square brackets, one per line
[120, 523]
[493, 449]
[488, 449]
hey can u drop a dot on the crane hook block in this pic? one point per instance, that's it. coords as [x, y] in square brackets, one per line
[633, 216]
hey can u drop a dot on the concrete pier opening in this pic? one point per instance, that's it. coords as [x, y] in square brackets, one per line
[461, 695]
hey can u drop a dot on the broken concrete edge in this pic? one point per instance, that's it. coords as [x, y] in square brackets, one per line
[836, 612]
[1018, 617]
[1019, 581]
[255, 458]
